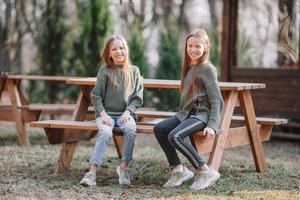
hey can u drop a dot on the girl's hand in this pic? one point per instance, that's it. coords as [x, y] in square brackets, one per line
[208, 132]
[125, 116]
[106, 118]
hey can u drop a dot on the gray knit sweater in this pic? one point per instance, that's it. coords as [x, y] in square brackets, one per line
[206, 103]
[112, 99]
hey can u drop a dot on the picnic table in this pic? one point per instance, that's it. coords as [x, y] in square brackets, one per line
[253, 131]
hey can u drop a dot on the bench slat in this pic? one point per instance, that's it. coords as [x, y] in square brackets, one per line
[65, 124]
[154, 113]
[262, 120]
[82, 125]
[90, 126]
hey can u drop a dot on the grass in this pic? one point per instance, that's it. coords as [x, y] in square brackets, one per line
[26, 172]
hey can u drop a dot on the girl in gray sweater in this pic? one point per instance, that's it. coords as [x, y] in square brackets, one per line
[200, 108]
[118, 93]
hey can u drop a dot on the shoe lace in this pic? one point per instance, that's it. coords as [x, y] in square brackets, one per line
[197, 178]
[89, 176]
[173, 178]
[200, 177]
[126, 175]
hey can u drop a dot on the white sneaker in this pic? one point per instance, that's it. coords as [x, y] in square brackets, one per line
[178, 176]
[89, 179]
[205, 179]
[124, 176]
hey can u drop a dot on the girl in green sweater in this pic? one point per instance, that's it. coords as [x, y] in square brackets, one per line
[118, 93]
[200, 108]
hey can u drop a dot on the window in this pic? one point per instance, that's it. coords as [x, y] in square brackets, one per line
[268, 34]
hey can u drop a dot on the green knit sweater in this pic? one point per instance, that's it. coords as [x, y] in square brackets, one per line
[207, 101]
[112, 99]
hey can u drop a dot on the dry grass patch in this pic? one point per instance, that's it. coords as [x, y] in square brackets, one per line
[26, 172]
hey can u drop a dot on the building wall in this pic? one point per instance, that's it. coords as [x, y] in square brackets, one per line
[281, 96]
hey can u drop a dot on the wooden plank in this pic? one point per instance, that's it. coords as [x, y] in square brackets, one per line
[82, 125]
[66, 124]
[119, 141]
[68, 149]
[16, 101]
[262, 120]
[30, 116]
[79, 114]
[82, 103]
[65, 157]
[49, 107]
[45, 108]
[41, 78]
[236, 137]
[172, 84]
[6, 114]
[55, 109]
[220, 140]
[255, 140]
[59, 136]
[161, 84]
[21, 95]
[2, 84]
[147, 123]
[89, 81]
[155, 113]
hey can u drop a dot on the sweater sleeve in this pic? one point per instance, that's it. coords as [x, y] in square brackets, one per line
[98, 92]
[136, 100]
[209, 78]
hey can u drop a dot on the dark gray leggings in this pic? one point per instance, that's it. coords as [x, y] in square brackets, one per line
[172, 134]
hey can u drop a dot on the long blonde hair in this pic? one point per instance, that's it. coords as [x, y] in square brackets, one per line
[126, 69]
[202, 36]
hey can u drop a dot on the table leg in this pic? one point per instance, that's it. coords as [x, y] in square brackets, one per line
[119, 141]
[254, 136]
[68, 149]
[17, 113]
[2, 84]
[22, 97]
[220, 140]
[65, 157]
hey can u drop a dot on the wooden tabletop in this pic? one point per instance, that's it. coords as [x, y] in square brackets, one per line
[171, 84]
[41, 78]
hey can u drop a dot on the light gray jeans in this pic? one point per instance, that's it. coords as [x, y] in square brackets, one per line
[105, 134]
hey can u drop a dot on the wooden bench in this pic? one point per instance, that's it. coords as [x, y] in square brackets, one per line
[64, 131]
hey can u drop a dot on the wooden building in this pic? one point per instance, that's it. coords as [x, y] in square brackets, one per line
[281, 98]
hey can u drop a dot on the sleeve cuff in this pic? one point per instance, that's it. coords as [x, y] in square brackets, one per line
[131, 108]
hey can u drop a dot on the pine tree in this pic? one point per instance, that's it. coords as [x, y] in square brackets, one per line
[50, 49]
[169, 67]
[96, 19]
[137, 46]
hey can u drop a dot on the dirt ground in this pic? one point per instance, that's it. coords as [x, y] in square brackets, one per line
[25, 172]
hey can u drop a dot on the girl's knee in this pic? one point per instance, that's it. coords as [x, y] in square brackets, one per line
[174, 137]
[157, 129]
[171, 138]
[105, 133]
[130, 134]
[130, 130]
